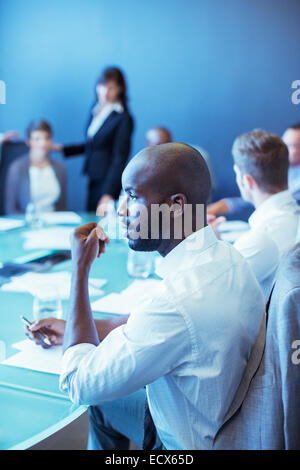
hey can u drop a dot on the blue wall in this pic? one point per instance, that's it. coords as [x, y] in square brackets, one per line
[208, 69]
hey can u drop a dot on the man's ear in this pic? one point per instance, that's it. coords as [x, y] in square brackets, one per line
[177, 202]
[249, 182]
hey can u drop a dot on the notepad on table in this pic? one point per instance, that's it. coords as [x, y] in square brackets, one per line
[54, 238]
[34, 357]
[9, 224]
[59, 283]
[60, 218]
[122, 303]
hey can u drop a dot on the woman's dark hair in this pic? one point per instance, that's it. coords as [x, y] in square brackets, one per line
[115, 74]
[39, 125]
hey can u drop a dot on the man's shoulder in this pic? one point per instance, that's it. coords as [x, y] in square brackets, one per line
[208, 274]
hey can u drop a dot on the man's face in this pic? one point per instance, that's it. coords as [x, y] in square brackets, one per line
[291, 138]
[135, 212]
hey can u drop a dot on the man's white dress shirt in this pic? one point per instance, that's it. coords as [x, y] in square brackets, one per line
[273, 231]
[189, 341]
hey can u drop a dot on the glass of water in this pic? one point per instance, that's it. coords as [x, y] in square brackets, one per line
[47, 306]
[139, 264]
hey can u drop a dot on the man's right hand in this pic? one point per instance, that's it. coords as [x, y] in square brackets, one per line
[51, 327]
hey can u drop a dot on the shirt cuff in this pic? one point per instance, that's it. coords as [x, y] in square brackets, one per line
[71, 360]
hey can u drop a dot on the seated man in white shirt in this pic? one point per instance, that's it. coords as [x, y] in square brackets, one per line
[261, 164]
[189, 341]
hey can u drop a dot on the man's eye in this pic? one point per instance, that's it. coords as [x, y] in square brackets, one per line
[132, 197]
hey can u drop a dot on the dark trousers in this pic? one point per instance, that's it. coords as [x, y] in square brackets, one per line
[114, 424]
[95, 191]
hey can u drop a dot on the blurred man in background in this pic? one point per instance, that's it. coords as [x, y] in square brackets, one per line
[232, 205]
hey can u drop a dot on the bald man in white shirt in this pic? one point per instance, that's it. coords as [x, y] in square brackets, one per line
[189, 341]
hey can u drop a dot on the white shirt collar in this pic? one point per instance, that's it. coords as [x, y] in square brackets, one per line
[276, 203]
[184, 253]
[108, 108]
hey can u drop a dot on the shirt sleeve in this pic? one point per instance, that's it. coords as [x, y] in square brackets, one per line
[153, 343]
[237, 204]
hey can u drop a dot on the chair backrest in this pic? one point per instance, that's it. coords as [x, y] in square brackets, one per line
[9, 152]
[269, 417]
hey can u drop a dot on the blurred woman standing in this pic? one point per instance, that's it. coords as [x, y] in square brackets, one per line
[108, 141]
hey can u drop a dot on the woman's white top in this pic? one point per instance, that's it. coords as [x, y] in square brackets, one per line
[101, 113]
[44, 187]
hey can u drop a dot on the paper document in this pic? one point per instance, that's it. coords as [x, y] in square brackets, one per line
[34, 357]
[56, 238]
[127, 299]
[56, 218]
[231, 230]
[233, 225]
[57, 284]
[8, 224]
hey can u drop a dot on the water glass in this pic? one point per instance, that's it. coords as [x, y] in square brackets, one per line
[139, 264]
[46, 308]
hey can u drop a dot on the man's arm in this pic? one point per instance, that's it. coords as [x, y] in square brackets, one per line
[87, 243]
[55, 328]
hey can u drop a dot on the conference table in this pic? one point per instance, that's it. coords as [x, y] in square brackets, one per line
[32, 408]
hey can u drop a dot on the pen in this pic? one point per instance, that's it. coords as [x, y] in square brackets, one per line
[38, 333]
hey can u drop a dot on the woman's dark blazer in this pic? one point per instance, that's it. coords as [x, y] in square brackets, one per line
[107, 152]
[17, 186]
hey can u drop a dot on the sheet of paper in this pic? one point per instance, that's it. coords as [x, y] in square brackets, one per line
[56, 218]
[231, 230]
[34, 357]
[122, 303]
[8, 224]
[58, 283]
[233, 226]
[56, 238]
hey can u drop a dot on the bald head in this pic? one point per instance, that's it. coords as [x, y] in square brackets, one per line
[158, 136]
[169, 169]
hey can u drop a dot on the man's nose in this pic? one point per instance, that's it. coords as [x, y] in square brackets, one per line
[123, 207]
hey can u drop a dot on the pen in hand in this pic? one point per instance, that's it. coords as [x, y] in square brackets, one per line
[40, 335]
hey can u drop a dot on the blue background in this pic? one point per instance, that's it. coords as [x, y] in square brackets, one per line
[207, 69]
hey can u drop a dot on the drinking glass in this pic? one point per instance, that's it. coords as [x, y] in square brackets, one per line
[139, 264]
[46, 306]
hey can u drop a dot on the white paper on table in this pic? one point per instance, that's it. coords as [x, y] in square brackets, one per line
[52, 238]
[233, 226]
[57, 284]
[127, 299]
[63, 217]
[231, 230]
[34, 357]
[8, 224]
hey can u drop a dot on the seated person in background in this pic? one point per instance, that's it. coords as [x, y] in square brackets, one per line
[188, 342]
[161, 135]
[35, 178]
[158, 135]
[291, 138]
[261, 168]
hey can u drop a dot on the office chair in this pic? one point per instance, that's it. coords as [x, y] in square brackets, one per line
[269, 416]
[9, 152]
